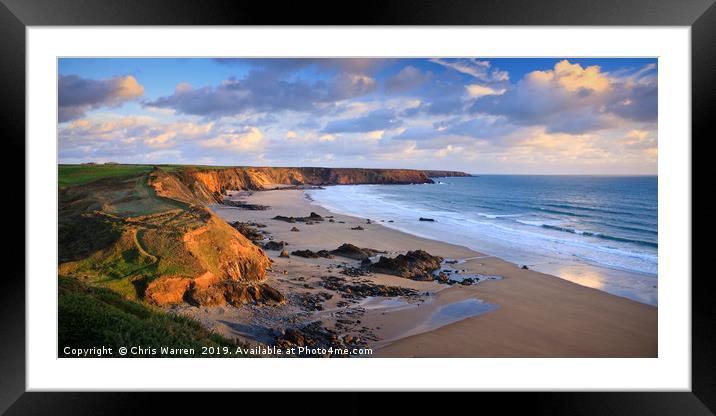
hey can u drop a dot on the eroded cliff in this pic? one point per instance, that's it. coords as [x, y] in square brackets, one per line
[150, 235]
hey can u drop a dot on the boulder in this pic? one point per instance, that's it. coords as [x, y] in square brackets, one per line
[274, 245]
[353, 252]
[312, 254]
[416, 265]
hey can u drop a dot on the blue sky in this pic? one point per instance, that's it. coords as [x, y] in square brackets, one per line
[506, 115]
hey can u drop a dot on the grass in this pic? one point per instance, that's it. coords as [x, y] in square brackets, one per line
[95, 317]
[70, 175]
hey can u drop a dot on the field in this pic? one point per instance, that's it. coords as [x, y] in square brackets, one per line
[69, 175]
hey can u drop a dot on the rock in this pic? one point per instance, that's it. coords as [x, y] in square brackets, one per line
[426, 219]
[284, 253]
[331, 220]
[295, 337]
[245, 205]
[314, 335]
[416, 265]
[294, 229]
[209, 291]
[248, 231]
[353, 252]
[524, 267]
[311, 218]
[311, 254]
[359, 228]
[166, 290]
[273, 245]
[443, 277]
[362, 290]
[282, 218]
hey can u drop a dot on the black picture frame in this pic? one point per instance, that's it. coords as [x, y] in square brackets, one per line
[16, 15]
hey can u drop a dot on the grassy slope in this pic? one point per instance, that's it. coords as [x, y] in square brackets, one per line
[106, 250]
[102, 309]
[92, 317]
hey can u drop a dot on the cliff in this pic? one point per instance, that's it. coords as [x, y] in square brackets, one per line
[445, 174]
[210, 184]
[146, 233]
[148, 237]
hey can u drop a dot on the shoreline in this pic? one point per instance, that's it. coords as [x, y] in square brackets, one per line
[525, 314]
[628, 281]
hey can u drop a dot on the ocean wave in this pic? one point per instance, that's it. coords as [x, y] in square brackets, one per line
[649, 212]
[493, 234]
[599, 235]
[495, 216]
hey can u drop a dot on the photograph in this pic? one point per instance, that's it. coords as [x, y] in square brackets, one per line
[357, 207]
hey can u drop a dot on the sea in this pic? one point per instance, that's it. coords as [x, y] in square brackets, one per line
[597, 231]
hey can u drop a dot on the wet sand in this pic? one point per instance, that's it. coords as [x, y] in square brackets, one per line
[525, 314]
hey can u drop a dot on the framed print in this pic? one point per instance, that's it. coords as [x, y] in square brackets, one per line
[492, 198]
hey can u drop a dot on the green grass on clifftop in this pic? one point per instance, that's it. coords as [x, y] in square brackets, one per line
[95, 317]
[70, 175]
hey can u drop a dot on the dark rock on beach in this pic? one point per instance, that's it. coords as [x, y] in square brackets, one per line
[245, 205]
[416, 265]
[249, 230]
[353, 252]
[426, 219]
[274, 245]
[316, 336]
[312, 254]
[311, 218]
[362, 290]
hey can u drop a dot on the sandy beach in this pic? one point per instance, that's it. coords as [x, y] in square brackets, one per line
[519, 313]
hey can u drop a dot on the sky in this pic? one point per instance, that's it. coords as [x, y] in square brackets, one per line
[491, 115]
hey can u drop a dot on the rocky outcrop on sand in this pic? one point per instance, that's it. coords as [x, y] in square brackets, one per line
[353, 252]
[314, 335]
[416, 265]
[312, 217]
[309, 254]
[208, 290]
[248, 230]
[242, 204]
[274, 245]
[360, 290]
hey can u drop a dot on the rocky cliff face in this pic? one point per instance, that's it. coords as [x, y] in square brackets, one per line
[210, 185]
